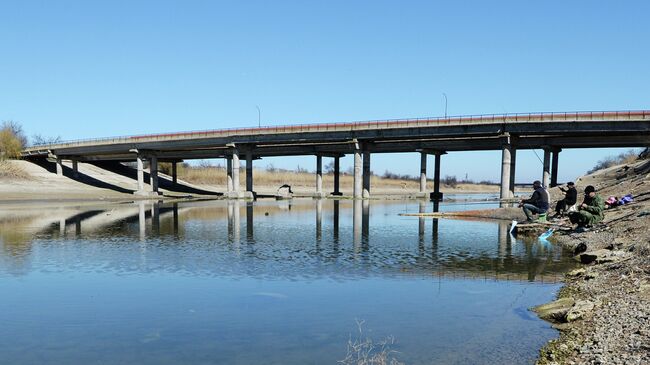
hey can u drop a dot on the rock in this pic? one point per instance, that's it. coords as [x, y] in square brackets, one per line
[577, 272]
[555, 311]
[580, 248]
[284, 192]
[598, 256]
[579, 310]
[591, 275]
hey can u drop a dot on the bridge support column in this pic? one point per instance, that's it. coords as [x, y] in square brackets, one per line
[249, 174]
[59, 167]
[319, 177]
[337, 175]
[175, 172]
[437, 195]
[506, 161]
[423, 172]
[140, 163]
[366, 174]
[153, 173]
[229, 187]
[546, 175]
[513, 167]
[235, 174]
[554, 166]
[357, 193]
[75, 169]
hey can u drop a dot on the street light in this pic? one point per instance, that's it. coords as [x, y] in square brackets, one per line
[259, 117]
[445, 95]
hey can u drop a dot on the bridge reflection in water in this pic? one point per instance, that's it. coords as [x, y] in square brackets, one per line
[342, 235]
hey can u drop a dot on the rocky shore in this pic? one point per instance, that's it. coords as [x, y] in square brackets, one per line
[603, 311]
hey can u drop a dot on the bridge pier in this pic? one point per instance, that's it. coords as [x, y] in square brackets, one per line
[366, 175]
[506, 164]
[437, 195]
[75, 169]
[337, 175]
[59, 166]
[546, 175]
[554, 166]
[513, 168]
[235, 192]
[229, 186]
[153, 174]
[319, 177]
[423, 173]
[249, 172]
[174, 172]
[356, 191]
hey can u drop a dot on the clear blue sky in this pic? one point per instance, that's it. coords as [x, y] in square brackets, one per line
[83, 69]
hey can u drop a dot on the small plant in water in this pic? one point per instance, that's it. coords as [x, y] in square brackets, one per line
[362, 350]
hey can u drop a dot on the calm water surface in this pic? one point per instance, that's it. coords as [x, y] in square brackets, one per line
[266, 283]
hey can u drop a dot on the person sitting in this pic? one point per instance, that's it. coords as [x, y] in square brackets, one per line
[590, 212]
[570, 198]
[536, 204]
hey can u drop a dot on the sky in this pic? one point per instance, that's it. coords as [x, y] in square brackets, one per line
[87, 69]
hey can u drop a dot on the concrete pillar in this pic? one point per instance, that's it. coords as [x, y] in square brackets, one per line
[357, 190]
[357, 215]
[235, 171]
[153, 173]
[436, 178]
[141, 220]
[75, 169]
[319, 220]
[423, 172]
[337, 175]
[319, 175]
[140, 163]
[366, 174]
[506, 150]
[174, 172]
[546, 175]
[59, 167]
[249, 171]
[229, 174]
[513, 160]
[554, 166]
[249, 222]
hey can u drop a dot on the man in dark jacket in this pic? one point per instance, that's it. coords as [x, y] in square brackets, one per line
[591, 211]
[537, 203]
[570, 199]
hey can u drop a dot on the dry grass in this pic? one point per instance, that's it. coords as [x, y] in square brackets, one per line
[363, 350]
[217, 176]
[10, 170]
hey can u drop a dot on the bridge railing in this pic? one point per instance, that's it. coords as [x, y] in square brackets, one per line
[364, 125]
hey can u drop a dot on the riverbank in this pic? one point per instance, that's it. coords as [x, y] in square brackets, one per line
[603, 310]
[23, 181]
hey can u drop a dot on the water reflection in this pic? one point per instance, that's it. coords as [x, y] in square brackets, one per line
[380, 241]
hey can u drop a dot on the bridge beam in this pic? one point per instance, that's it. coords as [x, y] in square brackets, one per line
[506, 160]
[554, 166]
[546, 174]
[366, 174]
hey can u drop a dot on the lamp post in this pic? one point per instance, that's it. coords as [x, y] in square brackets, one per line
[445, 95]
[259, 117]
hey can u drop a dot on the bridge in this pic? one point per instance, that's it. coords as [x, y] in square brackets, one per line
[508, 133]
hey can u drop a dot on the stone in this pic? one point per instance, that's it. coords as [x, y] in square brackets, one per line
[576, 272]
[579, 310]
[555, 311]
[598, 256]
[580, 248]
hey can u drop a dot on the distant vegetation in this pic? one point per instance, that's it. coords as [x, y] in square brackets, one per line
[623, 158]
[12, 140]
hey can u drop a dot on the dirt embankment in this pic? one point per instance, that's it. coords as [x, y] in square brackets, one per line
[603, 311]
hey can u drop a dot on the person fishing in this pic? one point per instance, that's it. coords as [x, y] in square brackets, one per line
[570, 198]
[536, 204]
[590, 212]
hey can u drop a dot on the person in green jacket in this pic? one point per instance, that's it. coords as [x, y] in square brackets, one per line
[591, 211]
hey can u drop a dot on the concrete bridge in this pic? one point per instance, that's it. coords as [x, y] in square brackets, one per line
[551, 132]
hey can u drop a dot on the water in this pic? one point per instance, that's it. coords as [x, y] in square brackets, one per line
[267, 283]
